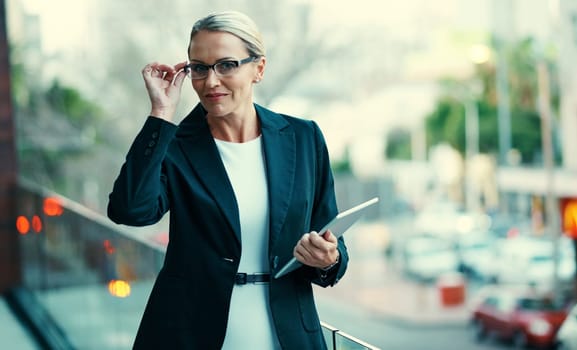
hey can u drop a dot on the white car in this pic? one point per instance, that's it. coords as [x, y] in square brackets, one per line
[427, 258]
[531, 260]
[476, 253]
[445, 219]
[567, 335]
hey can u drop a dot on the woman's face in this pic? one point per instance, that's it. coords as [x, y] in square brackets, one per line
[224, 95]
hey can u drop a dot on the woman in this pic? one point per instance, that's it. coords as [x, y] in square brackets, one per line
[246, 188]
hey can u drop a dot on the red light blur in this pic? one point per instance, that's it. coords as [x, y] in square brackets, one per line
[22, 225]
[108, 247]
[52, 206]
[513, 232]
[36, 224]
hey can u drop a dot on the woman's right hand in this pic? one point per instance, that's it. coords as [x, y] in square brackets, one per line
[163, 84]
[317, 250]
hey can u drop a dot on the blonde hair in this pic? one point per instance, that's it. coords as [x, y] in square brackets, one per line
[235, 23]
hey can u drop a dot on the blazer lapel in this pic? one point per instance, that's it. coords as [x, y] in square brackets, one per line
[198, 146]
[280, 158]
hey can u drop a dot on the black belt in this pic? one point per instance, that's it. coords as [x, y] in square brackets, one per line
[244, 278]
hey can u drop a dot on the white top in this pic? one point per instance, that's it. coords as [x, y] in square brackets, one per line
[250, 324]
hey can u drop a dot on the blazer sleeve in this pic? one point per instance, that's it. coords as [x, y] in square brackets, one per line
[139, 195]
[324, 209]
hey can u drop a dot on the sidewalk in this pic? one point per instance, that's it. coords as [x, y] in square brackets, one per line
[378, 288]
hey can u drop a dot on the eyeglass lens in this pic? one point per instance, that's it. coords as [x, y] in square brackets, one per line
[223, 68]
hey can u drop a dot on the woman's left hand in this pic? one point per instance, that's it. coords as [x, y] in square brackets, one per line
[317, 250]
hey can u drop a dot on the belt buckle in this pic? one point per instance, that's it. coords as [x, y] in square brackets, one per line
[240, 278]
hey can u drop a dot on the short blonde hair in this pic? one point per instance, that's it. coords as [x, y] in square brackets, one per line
[235, 23]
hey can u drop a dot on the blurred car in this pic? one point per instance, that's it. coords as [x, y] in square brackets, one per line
[531, 260]
[476, 252]
[521, 315]
[505, 226]
[541, 268]
[567, 335]
[446, 219]
[427, 257]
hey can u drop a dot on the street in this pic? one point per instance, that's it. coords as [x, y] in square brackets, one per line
[390, 334]
[376, 304]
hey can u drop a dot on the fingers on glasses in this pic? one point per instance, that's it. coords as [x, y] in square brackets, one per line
[162, 71]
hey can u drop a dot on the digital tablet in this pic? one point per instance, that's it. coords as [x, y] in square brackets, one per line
[338, 226]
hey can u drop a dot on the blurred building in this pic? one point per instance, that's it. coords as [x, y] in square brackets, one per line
[567, 17]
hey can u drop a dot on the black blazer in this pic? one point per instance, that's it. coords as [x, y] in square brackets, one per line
[178, 169]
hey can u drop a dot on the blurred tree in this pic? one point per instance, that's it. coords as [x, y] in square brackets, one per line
[398, 144]
[343, 165]
[70, 103]
[446, 123]
[55, 130]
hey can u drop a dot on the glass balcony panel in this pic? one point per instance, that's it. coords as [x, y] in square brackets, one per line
[92, 277]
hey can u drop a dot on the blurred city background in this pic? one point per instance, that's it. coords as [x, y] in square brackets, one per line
[461, 115]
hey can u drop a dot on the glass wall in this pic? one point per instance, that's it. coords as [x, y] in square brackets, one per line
[92, 278]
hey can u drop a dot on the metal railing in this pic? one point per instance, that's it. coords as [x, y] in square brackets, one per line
[338, 340]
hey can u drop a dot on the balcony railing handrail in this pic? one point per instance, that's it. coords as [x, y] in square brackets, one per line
[88, 213]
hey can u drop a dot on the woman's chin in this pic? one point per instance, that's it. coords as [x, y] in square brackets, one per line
[215, 110]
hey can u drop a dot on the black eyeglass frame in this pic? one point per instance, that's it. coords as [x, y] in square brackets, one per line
[188, 67]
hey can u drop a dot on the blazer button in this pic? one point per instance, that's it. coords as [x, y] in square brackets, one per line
[275, 262]
[154, 135]
[147, 152]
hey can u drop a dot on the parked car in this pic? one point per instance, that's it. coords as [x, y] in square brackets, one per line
[567, 335]
[476, 252]
[428, 257]
[446, 219]
[521, 315]
[531, 260]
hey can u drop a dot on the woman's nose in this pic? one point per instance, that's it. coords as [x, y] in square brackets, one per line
[212, 78]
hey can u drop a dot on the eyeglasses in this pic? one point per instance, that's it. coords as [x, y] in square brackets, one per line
[222, 68]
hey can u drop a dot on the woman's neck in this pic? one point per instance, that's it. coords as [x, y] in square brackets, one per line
[235, 128]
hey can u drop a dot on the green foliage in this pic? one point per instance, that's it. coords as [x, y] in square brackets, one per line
[526, 135]
[398, 145]
[343, 165]
[446, 123]
[55, 127]
[522, 74]
[488, 126]
[18, 85]
[70, 103]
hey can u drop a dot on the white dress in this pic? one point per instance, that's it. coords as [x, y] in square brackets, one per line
[250, 324]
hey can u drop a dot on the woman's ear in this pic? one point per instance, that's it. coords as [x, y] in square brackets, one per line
[260, 69]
